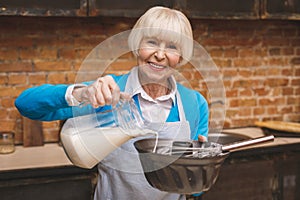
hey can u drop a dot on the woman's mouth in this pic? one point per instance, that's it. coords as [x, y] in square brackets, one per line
[156, 66]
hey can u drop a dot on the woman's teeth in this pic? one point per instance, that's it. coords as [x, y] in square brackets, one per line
[156, 66]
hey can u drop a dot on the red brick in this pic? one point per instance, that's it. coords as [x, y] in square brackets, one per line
[285, 109]
[247, 62]
[261, 91]
[7, 125]
[16, 67]
[13, 114]
[216, 52]
[231, 113]
[274, 52]
[10, 91]
[3, 112]
[37, 79]
[47, 54]
[9, 54]
[245, 41]
[275, 82]
[223, 62]
[275, 42]
[270, 102]
[245, 112]
[3, 79]
[274, 71]
[247, 52]
[16, 42]
[259, 111]
[245, 73]
[297, 72]
[246, 92]
[272, 110]
[67, 53]
[295, 82]
[277, 61]
[230, 53]
[56, 78]
[123, 65]
[17, 79]
[231, 93]
[7, 102]
[287, 91]
[51, 66]
[288, 51]
[28, 53]
[287, 72]
[295, 61]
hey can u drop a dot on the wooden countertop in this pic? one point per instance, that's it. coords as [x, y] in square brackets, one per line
[49, 155]
[254, 132]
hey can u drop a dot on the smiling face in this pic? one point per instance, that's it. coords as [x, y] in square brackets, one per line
[157, 60]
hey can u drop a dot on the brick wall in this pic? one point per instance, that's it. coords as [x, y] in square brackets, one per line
[259, 62]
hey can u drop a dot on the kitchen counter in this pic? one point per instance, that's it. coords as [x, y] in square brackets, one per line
[46, 173]
[53, 155]
[253, 132]
[48, 155]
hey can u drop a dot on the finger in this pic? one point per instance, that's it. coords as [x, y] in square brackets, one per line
[202, 138]
[124, 95]
[95, 97]
[99, 96]
[106, 93]
[113, 88]
[115, 96]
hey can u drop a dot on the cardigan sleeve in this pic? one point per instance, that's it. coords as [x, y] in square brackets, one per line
[46, 102]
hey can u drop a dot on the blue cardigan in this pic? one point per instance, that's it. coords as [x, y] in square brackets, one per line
[47, 103]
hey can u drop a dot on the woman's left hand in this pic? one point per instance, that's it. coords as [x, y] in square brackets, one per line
[202, 138]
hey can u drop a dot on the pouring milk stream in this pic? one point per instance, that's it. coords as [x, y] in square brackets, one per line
[90, 138]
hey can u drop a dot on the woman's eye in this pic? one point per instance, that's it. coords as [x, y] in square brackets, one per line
[152, 42]
[172, 46]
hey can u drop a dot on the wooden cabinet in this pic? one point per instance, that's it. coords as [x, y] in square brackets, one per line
[44, 7]
[266, 173]
[203, 9]
[193, 8]
[230, 9]
[280, 9]
[121, 8]
[59, 183]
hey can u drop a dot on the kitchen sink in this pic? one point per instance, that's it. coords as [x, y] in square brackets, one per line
[226, 138]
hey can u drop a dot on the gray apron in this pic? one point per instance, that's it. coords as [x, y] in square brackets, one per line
[121, 175]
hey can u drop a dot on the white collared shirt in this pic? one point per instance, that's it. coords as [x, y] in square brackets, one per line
[154, 110]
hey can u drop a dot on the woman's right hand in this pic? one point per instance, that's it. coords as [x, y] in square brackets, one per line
[104, 91]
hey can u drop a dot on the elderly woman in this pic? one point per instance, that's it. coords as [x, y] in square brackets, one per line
[161, 41]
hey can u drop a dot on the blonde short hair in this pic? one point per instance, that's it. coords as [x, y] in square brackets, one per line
[166, 24]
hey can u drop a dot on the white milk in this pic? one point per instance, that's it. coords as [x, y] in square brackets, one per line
[88, 146]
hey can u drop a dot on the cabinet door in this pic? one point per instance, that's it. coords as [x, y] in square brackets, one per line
[281, 9]
[44, 7]
[121, 8]
[220, 9]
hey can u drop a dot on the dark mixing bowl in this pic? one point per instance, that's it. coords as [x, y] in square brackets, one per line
[177, 173]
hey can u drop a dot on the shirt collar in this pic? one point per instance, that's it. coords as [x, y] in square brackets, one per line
[134, 87]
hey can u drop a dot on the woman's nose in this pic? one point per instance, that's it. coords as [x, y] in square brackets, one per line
[160, 54]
